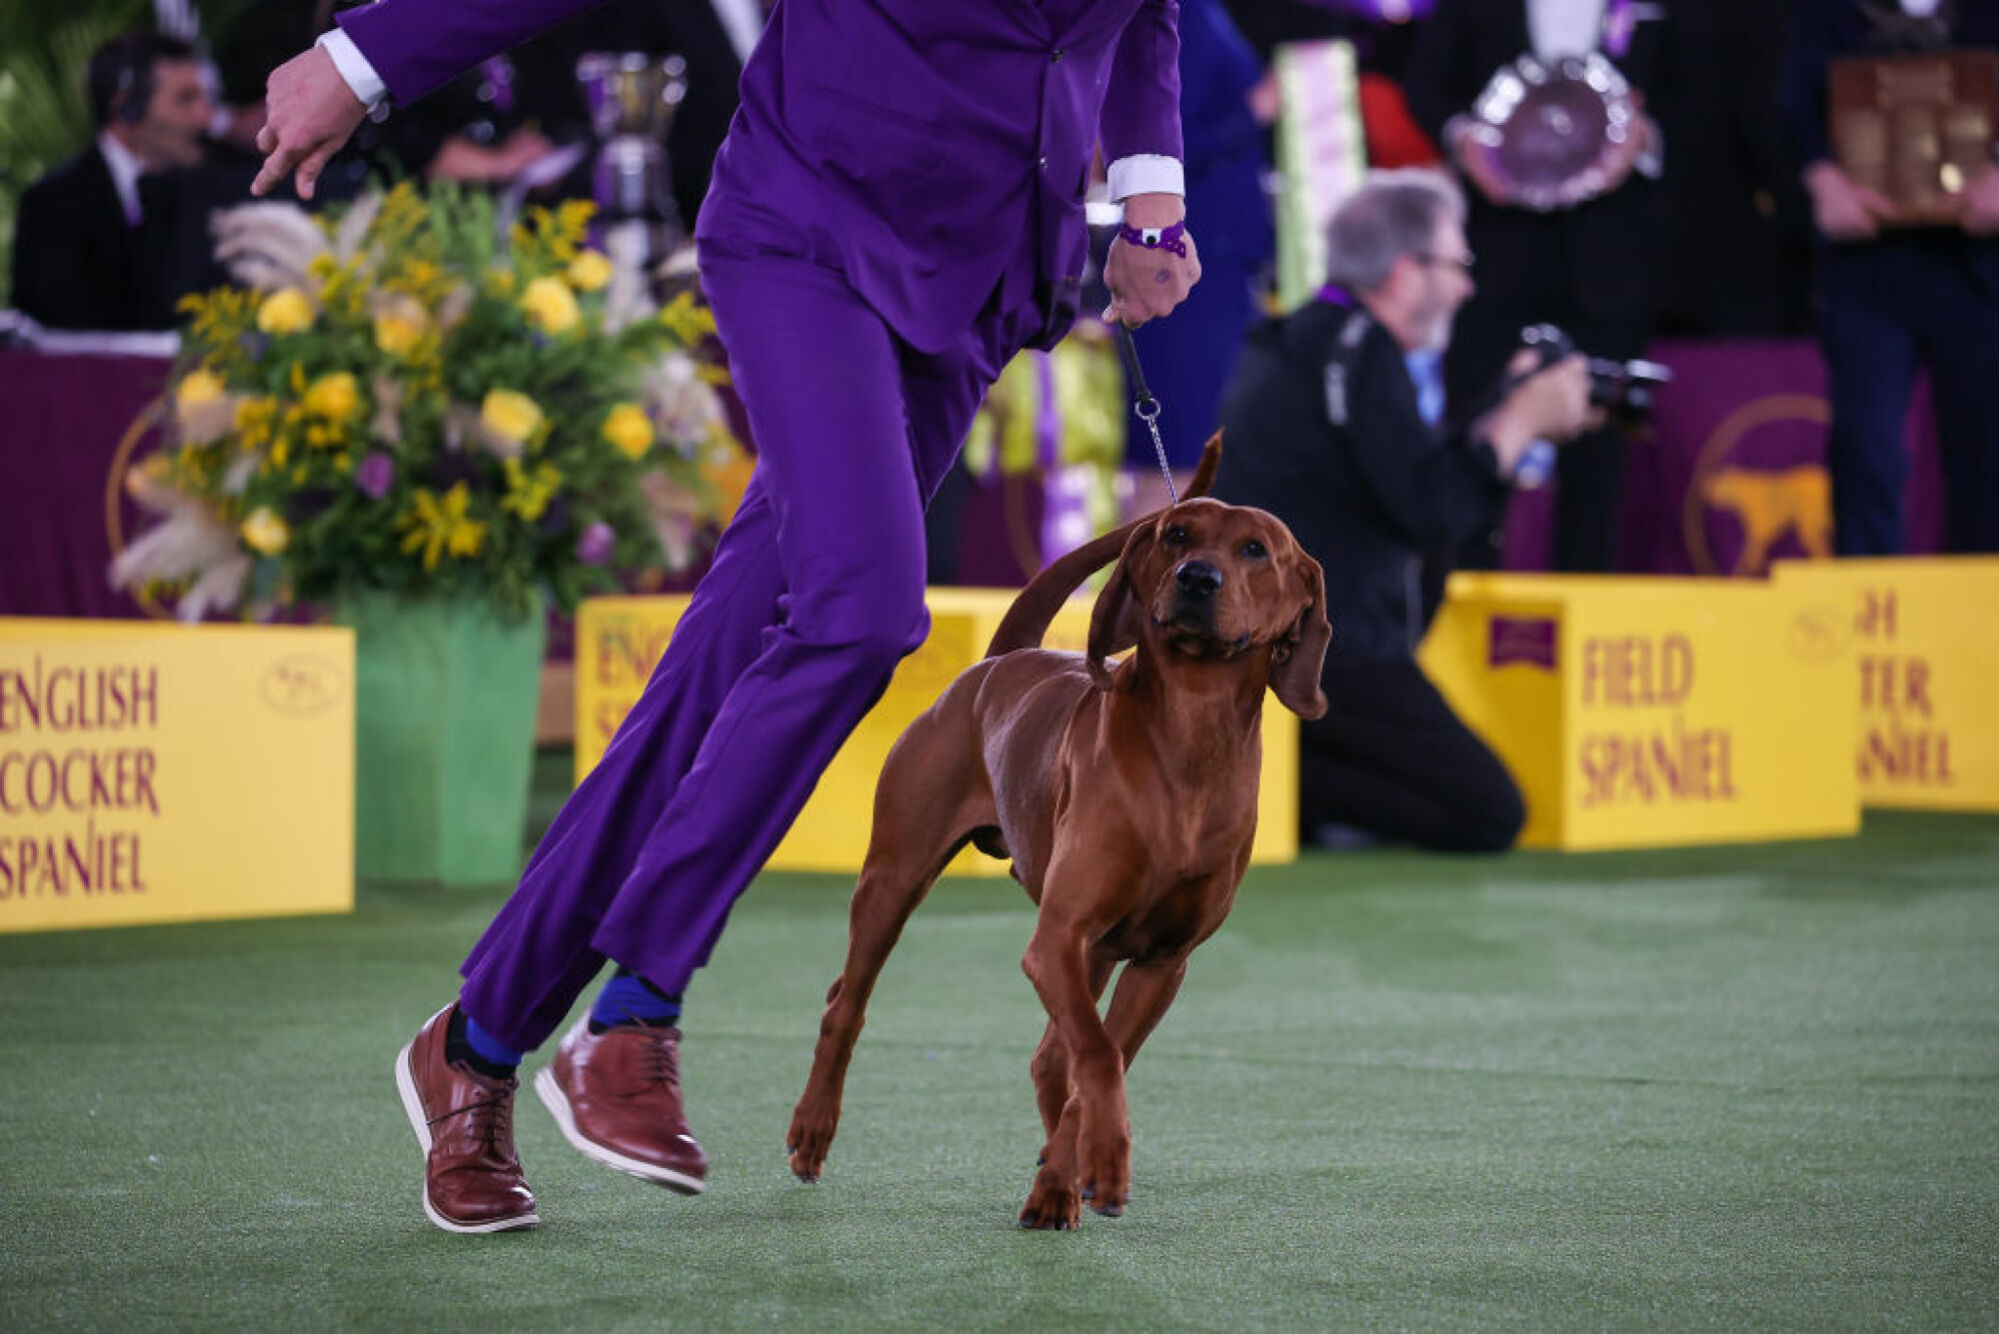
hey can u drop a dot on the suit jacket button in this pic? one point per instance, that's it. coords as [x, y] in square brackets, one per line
[1055, 56]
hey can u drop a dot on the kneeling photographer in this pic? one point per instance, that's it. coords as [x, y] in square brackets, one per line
[1323, 428]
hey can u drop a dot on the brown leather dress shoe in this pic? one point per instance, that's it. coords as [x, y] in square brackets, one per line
[465, 1122]
[616, 1096]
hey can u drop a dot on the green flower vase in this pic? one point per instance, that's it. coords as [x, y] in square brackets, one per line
[445, 699]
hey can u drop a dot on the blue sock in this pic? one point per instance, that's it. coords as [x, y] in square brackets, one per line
[489, 1048]
[629, 999]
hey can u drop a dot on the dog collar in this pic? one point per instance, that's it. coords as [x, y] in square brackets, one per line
[1156, 238]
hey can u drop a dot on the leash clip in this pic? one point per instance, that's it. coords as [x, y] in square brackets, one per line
[1144, 405]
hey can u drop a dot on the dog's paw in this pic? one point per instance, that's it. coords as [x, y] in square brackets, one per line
[807, 1144]
[1052, 1206]
[810, 1176]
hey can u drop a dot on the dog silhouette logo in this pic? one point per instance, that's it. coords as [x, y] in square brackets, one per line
[1760, 491]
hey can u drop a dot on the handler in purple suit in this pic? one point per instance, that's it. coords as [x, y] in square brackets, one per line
[896, 212]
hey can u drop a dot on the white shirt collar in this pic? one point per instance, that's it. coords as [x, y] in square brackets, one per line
[125, 171]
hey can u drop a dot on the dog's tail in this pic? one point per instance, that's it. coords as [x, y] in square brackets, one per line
[1028, 619]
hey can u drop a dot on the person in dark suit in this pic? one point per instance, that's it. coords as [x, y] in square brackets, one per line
[1893, 298]
[95, 238]
[1585, 268]
[1323, 429]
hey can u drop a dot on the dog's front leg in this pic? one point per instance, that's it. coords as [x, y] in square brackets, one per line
[1050, 1067]
[1090, 1143]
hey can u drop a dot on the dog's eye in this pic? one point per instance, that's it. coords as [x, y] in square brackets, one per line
[1253, 550]
[1176, 536]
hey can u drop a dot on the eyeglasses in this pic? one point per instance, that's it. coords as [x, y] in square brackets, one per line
[1462, 262]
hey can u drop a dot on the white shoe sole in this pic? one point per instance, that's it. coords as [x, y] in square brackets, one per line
[413, 1108]
[550, 1090]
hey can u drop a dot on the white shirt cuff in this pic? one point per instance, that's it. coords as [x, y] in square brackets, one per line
[354, 68]
[1146, 174]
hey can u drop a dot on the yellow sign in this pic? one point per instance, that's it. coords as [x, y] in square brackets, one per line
[167, 773]
[1651, 712]
[1926, 654]
[619, 640]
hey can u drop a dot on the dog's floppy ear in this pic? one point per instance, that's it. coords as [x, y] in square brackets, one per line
[1299, 657]
[1114, 621]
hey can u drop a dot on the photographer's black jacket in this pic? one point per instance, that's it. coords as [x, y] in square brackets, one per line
[1321, 428]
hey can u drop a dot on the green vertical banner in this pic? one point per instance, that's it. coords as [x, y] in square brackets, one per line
[1321, 157]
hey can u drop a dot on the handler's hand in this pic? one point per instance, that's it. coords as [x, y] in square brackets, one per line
[1146, 283]
[309, 113]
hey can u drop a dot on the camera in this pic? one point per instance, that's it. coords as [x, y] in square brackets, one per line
[1627, 390]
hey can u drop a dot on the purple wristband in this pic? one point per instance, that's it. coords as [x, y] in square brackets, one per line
[1156, 238]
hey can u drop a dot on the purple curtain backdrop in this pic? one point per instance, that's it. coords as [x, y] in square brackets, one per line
[62, 418]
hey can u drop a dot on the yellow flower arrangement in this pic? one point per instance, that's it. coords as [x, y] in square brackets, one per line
[510, 416]
[430, 404]
[265, 532]
[589, 271]
[435, 526]
[551, 305]
[285, 311]
[198, 388]
[333, 397]
[630, 430]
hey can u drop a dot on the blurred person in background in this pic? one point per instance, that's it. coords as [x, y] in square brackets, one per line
[95, 239]
[1893, 298]
[1589, 268]
[1322, 428]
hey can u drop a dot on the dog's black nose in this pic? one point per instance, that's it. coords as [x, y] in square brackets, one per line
[1198, 579]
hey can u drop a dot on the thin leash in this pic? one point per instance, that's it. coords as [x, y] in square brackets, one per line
[1144, 404]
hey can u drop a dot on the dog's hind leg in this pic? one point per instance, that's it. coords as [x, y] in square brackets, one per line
[930, 799]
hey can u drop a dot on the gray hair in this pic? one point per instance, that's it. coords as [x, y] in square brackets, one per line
[1394, 213]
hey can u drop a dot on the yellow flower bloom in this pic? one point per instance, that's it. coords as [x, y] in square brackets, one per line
[551, 305]
[589, 271]
[334, 397]
[254, 417]
[264, 531]
[198, 387]
[690, 323]
[400, 324]
[528, 493]
[435, 526]
[285, 311]
[630, 430]
[511, 416]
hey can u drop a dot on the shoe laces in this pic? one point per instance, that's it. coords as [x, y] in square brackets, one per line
[489, 1121]
[662, 1057]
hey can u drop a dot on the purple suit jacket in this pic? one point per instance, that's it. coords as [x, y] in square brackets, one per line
[918, 146]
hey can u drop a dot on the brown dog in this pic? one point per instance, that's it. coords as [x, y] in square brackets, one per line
[1126, 798]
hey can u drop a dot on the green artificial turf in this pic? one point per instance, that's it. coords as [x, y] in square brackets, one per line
[1740, 1088]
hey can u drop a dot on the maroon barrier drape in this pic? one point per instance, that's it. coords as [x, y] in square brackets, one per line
[1731, 473]
[62, 419]
[1727, 474]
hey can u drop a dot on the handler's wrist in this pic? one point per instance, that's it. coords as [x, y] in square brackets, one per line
[1154, 210]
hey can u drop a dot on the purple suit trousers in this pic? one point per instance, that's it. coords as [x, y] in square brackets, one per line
[896, 212]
